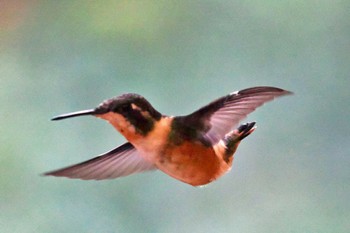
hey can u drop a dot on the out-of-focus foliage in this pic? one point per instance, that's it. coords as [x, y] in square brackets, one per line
[291, 175]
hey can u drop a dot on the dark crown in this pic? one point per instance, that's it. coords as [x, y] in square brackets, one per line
[123, 104]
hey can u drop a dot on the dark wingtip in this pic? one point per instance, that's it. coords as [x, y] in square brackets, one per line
[265, 89]
[74, 114]
[45, 174]
[285, 92]
[57, 173]
[52, 173]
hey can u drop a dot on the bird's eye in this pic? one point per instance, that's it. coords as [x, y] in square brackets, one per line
[125, 108]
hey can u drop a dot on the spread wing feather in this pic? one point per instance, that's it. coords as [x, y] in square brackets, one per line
[121, 161]
[220, 116]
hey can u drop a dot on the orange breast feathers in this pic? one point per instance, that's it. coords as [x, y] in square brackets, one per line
[192, 163]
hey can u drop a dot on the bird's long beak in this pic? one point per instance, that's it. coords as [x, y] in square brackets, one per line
[74, 114]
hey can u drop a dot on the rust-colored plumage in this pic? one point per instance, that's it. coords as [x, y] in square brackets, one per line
[195, 149]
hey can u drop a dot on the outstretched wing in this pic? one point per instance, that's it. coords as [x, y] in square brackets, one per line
[121, 161]
[220, 116]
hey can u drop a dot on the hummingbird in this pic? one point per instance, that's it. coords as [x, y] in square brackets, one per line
[196, 149]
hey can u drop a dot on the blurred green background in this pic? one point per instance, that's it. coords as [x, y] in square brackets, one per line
[291, 175]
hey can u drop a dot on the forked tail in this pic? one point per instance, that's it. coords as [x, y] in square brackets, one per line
[233, 138]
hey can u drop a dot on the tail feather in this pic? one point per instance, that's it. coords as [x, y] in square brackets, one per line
[244, 130]
[233, 138]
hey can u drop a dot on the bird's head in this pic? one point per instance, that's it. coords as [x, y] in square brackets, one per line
[128, 113]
